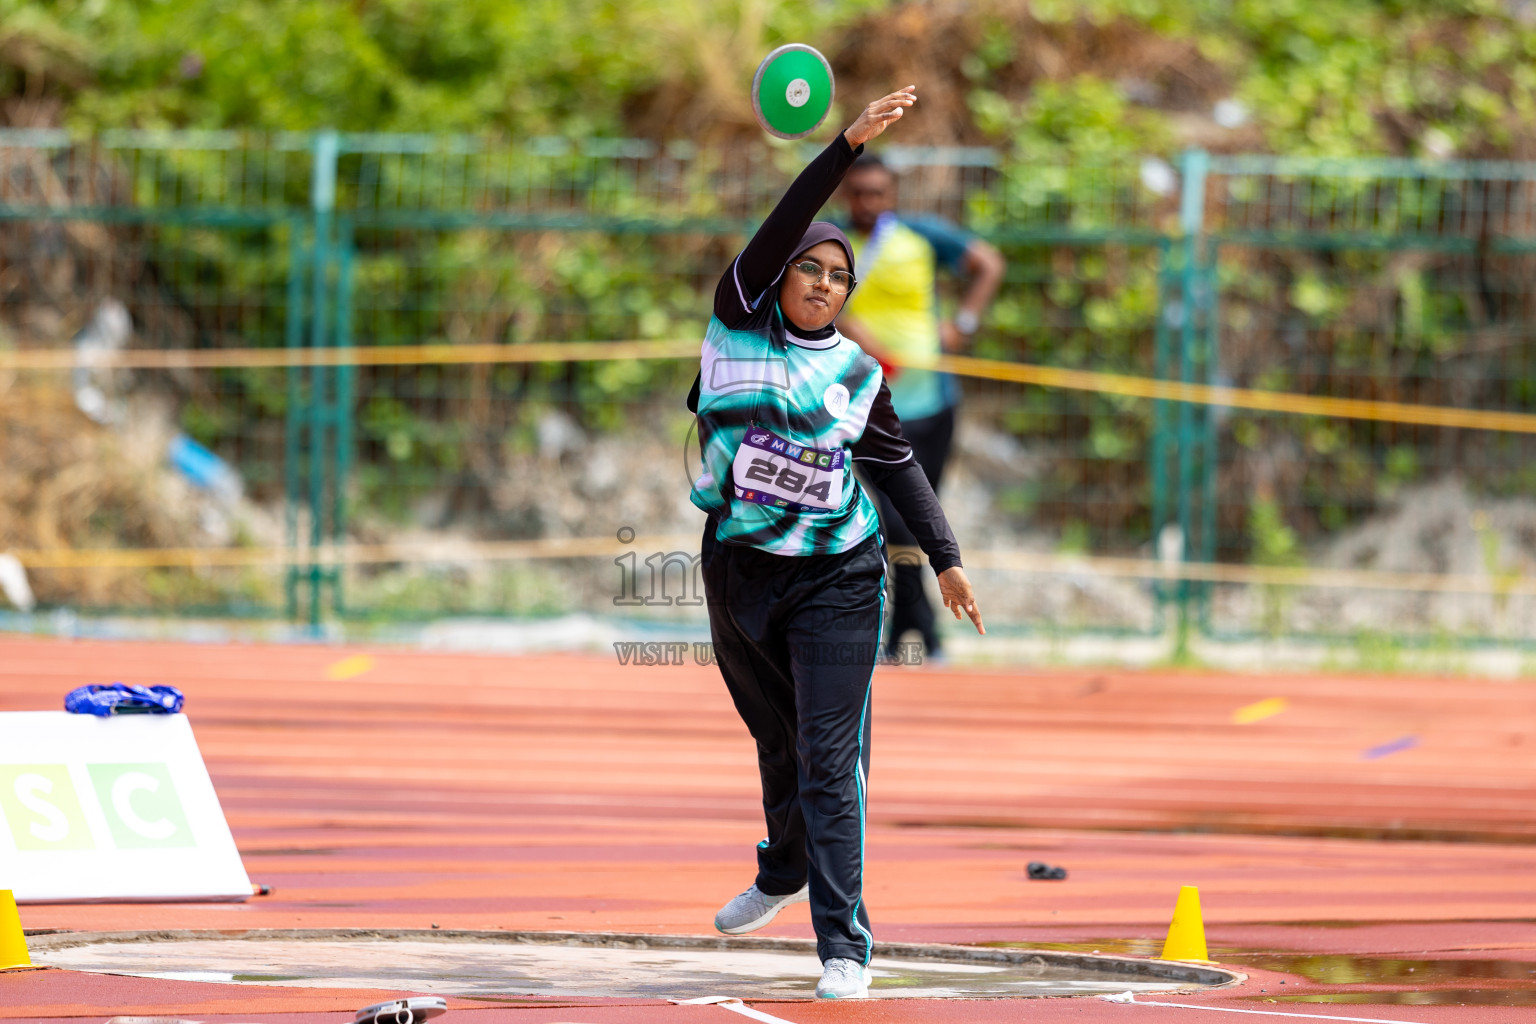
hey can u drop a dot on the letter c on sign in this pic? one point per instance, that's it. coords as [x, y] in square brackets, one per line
[28, 787]
[123, 789]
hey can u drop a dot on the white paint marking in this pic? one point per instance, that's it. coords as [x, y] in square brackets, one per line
[1277, 1013]
[734, 1005]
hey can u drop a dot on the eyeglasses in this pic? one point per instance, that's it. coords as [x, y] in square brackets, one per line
[811, 272]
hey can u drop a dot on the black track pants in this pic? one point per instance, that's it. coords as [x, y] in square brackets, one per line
[796, 640]
[931, 438]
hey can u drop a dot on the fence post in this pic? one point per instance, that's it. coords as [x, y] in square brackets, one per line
[345, 407]
[312, 411]
[1194, 300]
[1161, 354]
[1209, 339]
[298, 267]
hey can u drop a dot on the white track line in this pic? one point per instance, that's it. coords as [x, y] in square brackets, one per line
[734, 1005]
[737, 1006]
[1276, 1013]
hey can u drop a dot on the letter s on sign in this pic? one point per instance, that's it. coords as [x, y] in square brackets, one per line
[122, 795]
[55, 828]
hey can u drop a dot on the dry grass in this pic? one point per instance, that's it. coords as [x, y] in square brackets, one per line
[68, 482]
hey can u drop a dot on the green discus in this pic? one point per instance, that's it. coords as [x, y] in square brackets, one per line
[792, 92]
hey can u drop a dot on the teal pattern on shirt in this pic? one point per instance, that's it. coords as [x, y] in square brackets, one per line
[749, 377]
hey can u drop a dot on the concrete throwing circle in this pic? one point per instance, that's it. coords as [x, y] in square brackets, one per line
[625, 966]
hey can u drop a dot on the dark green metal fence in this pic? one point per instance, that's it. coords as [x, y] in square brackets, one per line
[1383, 280]
[1374, 279]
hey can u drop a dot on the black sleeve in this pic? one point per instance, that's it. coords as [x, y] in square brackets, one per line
[885, 457]
[750, 273]
[882, 442]
[907, 487]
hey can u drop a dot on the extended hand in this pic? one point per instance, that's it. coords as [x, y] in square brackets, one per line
[885, 111]
[955, 590]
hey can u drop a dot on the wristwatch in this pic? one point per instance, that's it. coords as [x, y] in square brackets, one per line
[967, 322]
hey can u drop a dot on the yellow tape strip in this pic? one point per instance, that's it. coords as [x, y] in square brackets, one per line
[451, 552]
[1236, 398]
[380, 355]
[964, 366]
[1251, 575]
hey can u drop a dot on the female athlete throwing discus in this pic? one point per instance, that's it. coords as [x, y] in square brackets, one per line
[792, 564]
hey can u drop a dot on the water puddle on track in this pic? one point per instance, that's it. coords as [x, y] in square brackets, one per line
[1408, 982]
[1416, 997]
[1358, 978]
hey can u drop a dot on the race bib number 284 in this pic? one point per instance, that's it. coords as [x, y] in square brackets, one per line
[774, 471]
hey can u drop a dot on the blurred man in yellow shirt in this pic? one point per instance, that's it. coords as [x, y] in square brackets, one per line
[894, 315]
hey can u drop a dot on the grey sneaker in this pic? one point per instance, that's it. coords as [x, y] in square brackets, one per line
[842, 978]
[754, 908]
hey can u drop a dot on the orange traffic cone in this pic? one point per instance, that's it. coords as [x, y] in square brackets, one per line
[1186, 933]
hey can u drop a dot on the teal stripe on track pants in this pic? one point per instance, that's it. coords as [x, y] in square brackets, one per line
[796, 639]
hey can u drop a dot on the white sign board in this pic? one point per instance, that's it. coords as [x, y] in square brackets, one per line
[110, 809]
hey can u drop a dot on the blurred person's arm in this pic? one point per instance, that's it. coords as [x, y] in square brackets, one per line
[856, 331]
[969, 257]
[985, 266]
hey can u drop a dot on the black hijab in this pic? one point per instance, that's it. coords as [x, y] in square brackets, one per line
[824, 231]
[819, 231]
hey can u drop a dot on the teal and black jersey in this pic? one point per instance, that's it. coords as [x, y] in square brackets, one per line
[784, 413]
[810, 403]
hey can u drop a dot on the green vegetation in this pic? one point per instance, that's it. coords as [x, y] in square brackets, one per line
[1072, 94]
[561, 67]
[1346, 77]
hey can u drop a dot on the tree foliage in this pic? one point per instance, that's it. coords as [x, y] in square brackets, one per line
[1411, 77]
[1052, 85]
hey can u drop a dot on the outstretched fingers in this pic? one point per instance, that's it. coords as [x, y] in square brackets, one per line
[891, 105]
[880, 114]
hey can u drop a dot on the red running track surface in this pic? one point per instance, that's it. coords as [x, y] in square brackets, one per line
[573, 793]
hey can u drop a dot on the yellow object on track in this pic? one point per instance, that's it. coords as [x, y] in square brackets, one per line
[1186, 933]
[13, 943]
